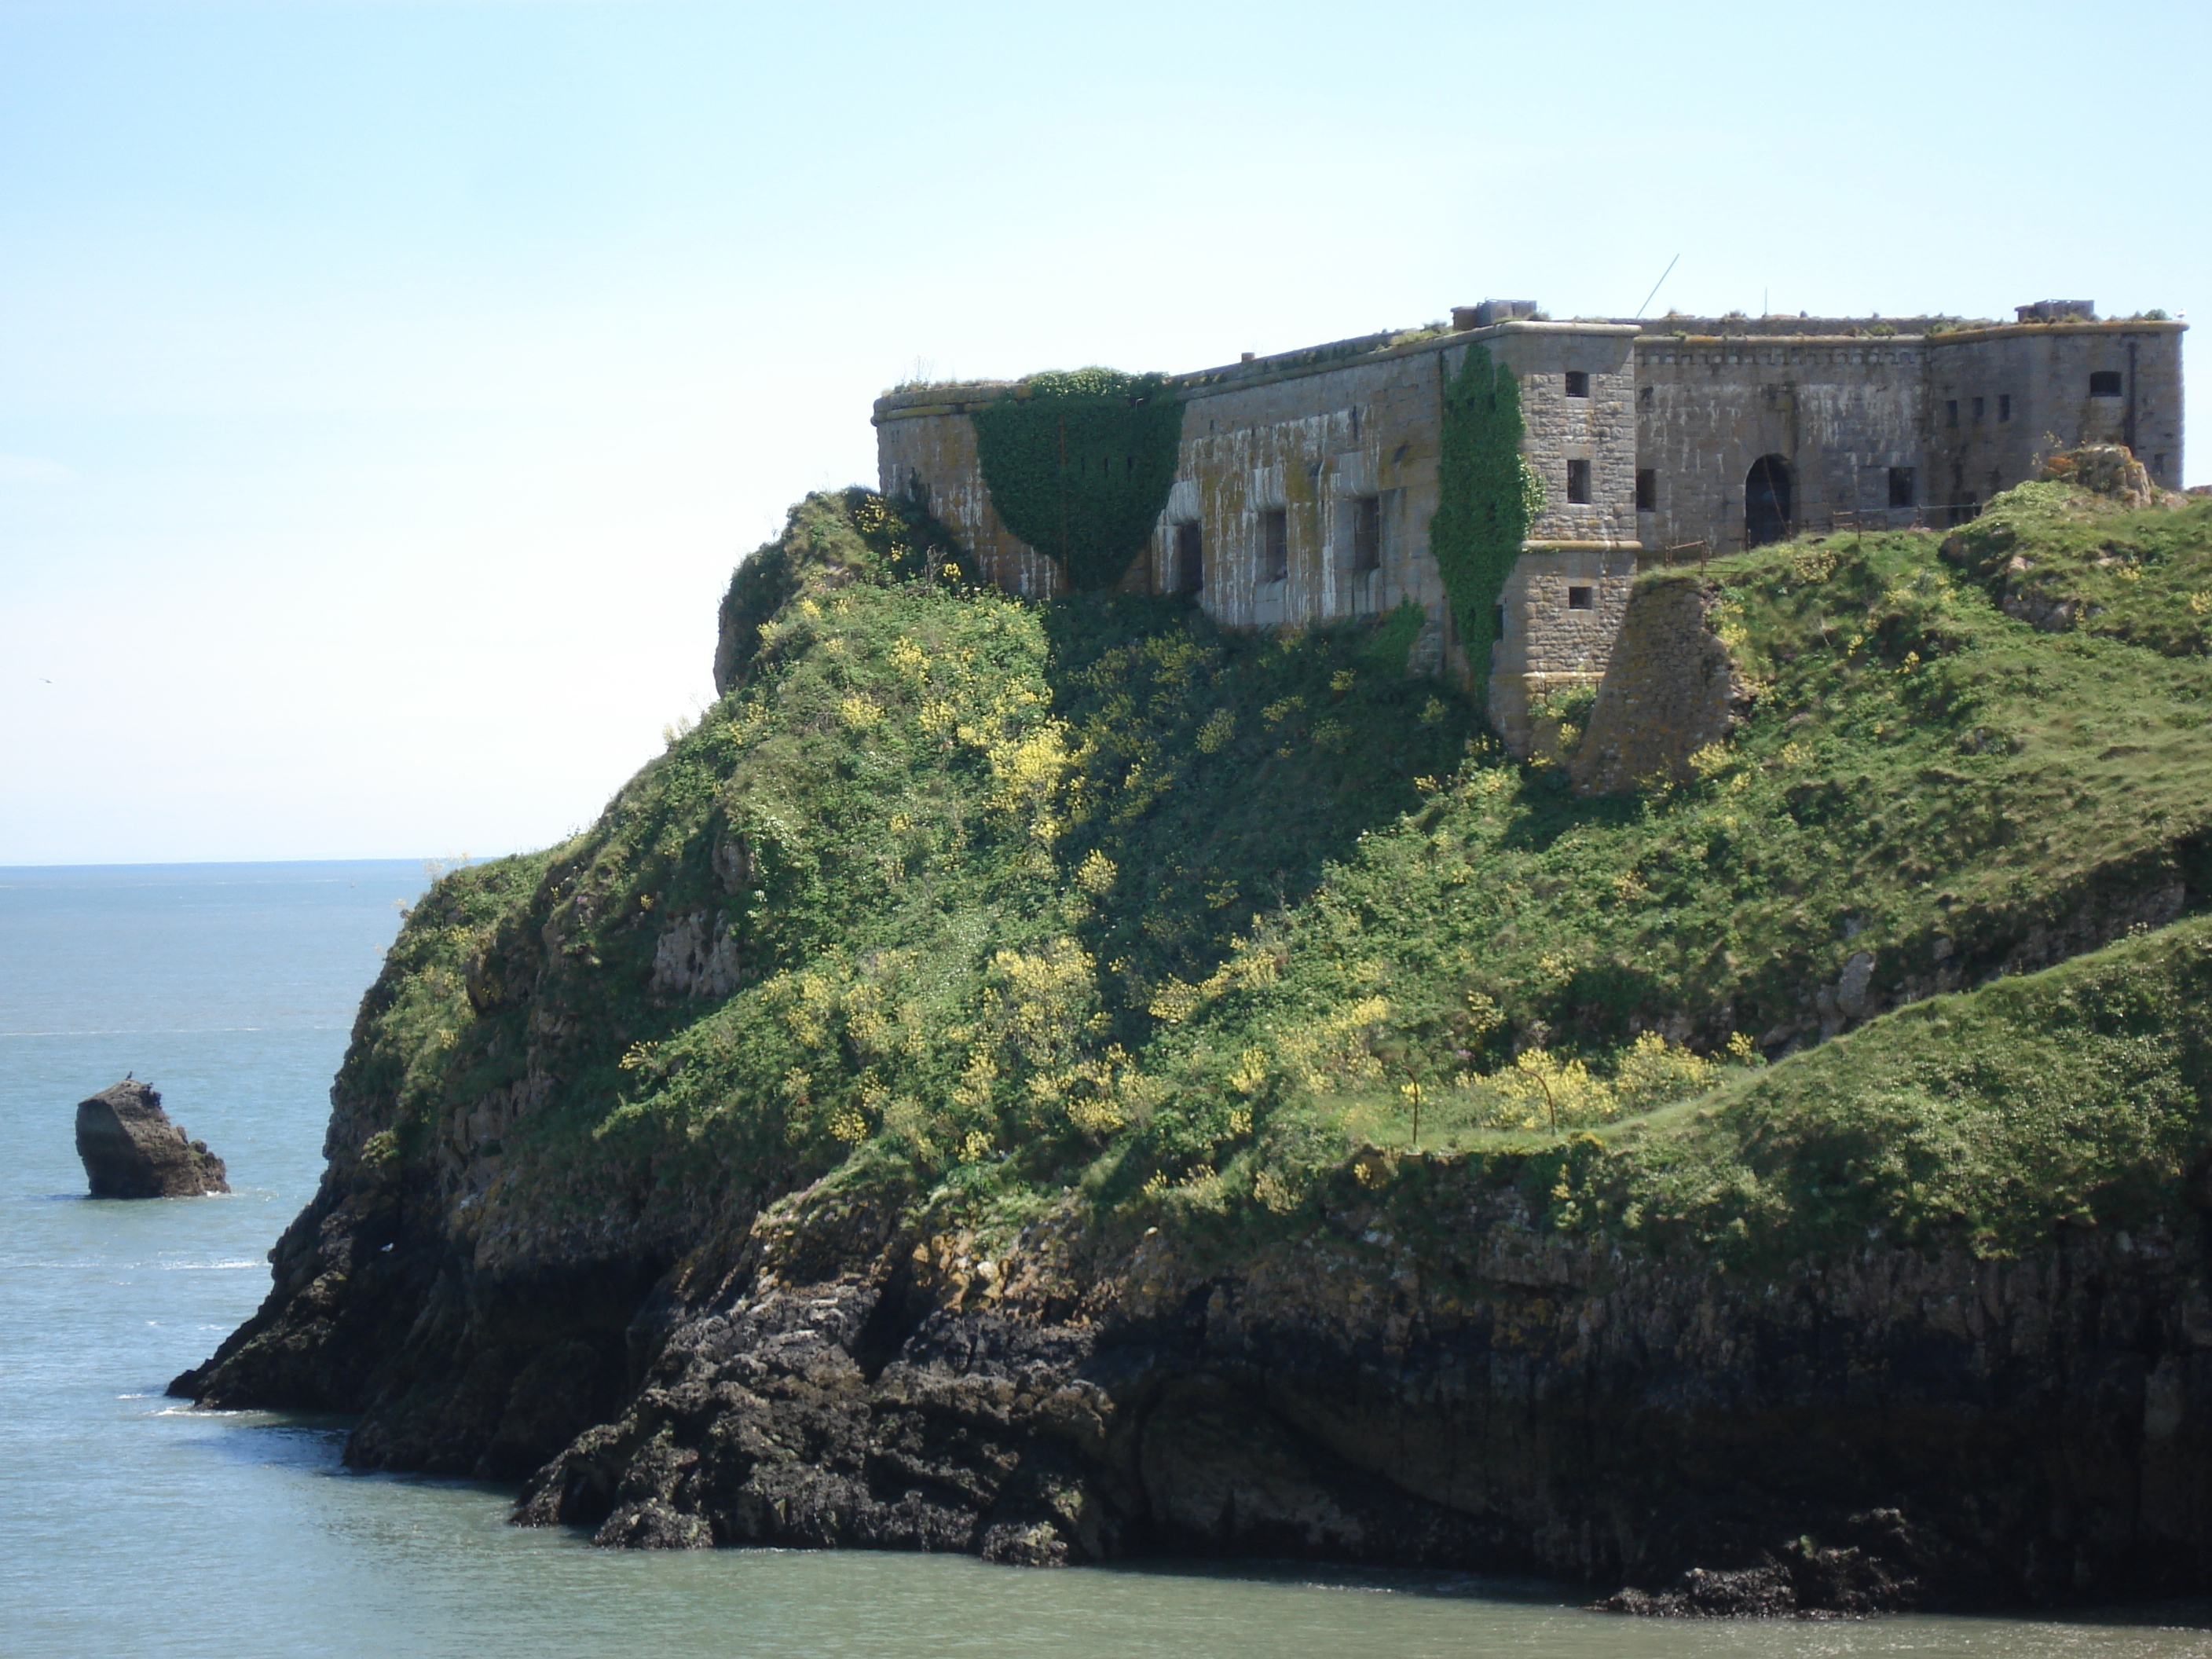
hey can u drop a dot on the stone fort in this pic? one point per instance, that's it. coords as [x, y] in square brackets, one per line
[1306, 480]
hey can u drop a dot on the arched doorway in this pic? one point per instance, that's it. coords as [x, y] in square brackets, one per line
[1766, 501]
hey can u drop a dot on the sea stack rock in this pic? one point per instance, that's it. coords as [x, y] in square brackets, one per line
[132, 1149]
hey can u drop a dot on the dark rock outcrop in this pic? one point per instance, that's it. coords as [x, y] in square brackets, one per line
[1894, 1429]
[1420, 1374]
[132, 1149]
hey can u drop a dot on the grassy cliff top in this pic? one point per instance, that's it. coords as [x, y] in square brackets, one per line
[985, 900]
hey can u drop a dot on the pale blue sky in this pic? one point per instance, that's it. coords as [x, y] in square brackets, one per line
[387, 390]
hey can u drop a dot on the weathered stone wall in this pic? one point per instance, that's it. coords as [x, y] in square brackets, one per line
[924, 439]
[2011, 390]
[1551, 643]
[1309, 443]
[1840, 410]
[1971, 410]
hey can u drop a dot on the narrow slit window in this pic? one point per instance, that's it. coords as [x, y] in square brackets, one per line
[1274, 544]
[1979, 404]
[1578, 482]
[2104, 383]
[1580, 598]
[1498, 622]
[1951, 411]
[1366, 534]
[2004, 405]
[1902, 490]
[1647, 490]
[1577, 383]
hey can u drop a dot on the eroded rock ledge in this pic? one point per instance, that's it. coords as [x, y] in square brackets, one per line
[1891, 1431]
[1460, 1390]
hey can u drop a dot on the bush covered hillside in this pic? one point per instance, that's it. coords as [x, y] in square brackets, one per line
[976, 900]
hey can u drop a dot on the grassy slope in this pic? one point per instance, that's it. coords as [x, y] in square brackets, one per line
[1027, 893]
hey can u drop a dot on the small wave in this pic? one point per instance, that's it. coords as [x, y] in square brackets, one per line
[209, 1266]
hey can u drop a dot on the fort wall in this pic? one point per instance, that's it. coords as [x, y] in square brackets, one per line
[2001, 399]
[1840, 413]
[1305, 482]
[925, 444]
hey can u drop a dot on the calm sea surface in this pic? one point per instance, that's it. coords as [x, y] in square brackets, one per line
[130, 1525]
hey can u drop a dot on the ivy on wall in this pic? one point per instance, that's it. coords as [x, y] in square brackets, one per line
[1080, 464]
[1487, 496]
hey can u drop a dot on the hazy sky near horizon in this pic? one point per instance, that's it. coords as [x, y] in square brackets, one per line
[387, 390]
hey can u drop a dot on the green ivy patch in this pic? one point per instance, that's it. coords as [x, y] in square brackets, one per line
[1080, 464]
[1486, 497]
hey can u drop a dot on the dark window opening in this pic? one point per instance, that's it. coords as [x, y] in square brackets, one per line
[1498, 622]
[1767, 490]
[1647, 490]
[1951, 412]
[1644, 395]
[1398, 455]
[1189, 575]
[1366, 533]
[1970, 507]
[1579, 483]
[1902, 487]
[1274, 544]
[1578, 599]
[1577, 383]
[1979, 404]
[2104, 383]
[2158, 466]
[2004, 405]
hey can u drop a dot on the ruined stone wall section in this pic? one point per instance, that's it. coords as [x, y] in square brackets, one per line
[1844, 410]
[1841, 411]
[1670, 688]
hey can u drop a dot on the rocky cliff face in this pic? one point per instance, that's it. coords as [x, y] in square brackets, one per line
[806, 1154]
[1426, 1376]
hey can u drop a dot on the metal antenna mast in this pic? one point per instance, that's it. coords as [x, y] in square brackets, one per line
[1657, 285]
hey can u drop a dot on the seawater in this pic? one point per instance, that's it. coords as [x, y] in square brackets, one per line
[131, 1524]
